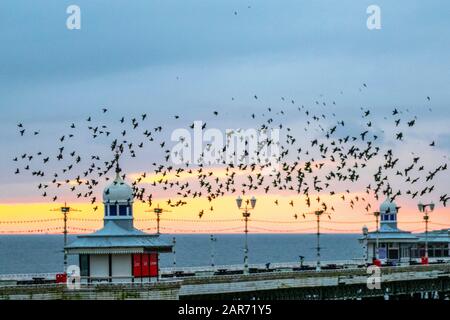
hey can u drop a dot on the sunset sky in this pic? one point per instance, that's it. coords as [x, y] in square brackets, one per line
[190, 58]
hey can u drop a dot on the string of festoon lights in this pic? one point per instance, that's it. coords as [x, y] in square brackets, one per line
[33, 231]
[254, 220]
[196, 230]
[190, 220]
[257, 226]
[29, 221]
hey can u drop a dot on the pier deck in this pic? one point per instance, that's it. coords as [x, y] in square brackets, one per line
[351, 283]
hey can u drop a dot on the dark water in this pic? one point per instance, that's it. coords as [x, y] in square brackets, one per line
[43, 253]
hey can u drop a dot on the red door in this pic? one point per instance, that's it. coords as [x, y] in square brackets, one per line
[153, 264]
[145, 265]
[137, 265]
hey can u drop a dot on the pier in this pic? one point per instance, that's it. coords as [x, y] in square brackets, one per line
[400, 282]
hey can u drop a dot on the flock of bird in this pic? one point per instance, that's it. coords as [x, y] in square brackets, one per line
[318, 169]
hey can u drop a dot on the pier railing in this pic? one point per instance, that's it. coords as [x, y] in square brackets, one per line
[205, 271]
[345, 283]
[28, 276]
[196, 269]
[275, 265]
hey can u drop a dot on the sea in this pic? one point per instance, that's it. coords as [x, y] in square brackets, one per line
[43, 253]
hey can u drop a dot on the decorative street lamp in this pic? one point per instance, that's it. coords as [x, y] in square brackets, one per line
[65, 210]
[423, 208]
[318, 214]
[376, 214]
[158, 211]
[246, 215]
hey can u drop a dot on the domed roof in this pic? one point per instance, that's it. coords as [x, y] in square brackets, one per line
[119, 191]
[388, 207]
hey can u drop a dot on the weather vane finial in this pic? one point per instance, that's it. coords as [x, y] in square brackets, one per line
[118, 170]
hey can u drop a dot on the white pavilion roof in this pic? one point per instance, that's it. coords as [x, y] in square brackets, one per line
[114, 239]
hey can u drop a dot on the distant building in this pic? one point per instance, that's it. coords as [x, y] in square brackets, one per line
[397, 246]
[118, 252]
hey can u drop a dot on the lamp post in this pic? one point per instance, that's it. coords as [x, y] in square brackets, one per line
[246, 215]
[213, 249]
[377, 242]
[318, 214]
[376, 214]
[365, 232]
[174, 242]
[65, 211]
[426, 209]
[158, 211]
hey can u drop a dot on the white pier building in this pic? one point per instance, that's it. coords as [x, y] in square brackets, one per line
[118, 252]
[398, 246]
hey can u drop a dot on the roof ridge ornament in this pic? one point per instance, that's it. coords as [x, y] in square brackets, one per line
[117, 158]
